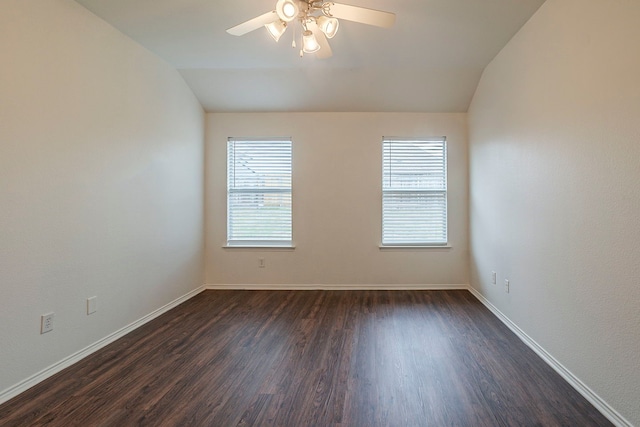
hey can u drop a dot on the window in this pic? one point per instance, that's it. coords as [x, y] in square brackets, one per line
[259, 192]
[414, 192]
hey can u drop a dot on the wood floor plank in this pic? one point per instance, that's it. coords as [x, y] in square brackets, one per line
[311, 358]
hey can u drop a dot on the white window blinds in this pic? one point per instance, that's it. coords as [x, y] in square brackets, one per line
[259, 192]
[414, 192]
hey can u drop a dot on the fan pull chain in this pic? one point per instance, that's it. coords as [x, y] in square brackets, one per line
[293, 42]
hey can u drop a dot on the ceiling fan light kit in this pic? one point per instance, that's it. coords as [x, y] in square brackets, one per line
[318, 19]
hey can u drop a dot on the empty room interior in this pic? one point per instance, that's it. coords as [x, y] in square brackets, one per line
[424, 213]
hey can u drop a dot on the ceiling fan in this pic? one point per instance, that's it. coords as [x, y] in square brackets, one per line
[318, 21]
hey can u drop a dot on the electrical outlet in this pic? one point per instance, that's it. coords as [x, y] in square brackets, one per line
[261, 262]
[506, 285]
[494, 277]
[46, 323]
[92, 305]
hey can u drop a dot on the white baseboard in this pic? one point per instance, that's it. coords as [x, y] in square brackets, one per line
[324, 287]
[23, 385]
[574, 381]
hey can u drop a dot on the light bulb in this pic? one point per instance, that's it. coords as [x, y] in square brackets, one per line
[289, 10]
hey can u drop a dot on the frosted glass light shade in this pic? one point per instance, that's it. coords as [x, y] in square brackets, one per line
[287, 10]
[329, 26]
[276, 29]
[309, 42]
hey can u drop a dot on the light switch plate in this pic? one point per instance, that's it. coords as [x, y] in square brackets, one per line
[92, 305]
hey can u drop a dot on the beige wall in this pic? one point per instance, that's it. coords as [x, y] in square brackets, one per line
[336, 202]
[555, 190]
[101, 177]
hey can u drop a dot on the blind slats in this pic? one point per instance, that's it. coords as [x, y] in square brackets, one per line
[259, 192]
[414, 185]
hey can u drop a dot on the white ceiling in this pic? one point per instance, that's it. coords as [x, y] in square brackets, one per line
[430, 61]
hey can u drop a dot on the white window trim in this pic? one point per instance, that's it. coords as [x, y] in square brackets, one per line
[421, 245]
[257, 243]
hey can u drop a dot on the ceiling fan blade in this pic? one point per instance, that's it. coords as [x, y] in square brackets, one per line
[362, 15]
[253, 24]
[325, 49]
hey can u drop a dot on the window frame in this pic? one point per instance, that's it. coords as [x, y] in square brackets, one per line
[388, 190]
[231, 190]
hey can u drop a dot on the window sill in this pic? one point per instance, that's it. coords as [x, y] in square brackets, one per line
[261, 247]
[408, 247]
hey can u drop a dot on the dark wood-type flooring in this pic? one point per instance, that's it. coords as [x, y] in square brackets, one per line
[311, 358]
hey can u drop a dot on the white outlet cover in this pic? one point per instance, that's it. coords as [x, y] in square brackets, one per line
[46, 323]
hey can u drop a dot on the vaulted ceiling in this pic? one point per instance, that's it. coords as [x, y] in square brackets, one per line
[430, 61]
